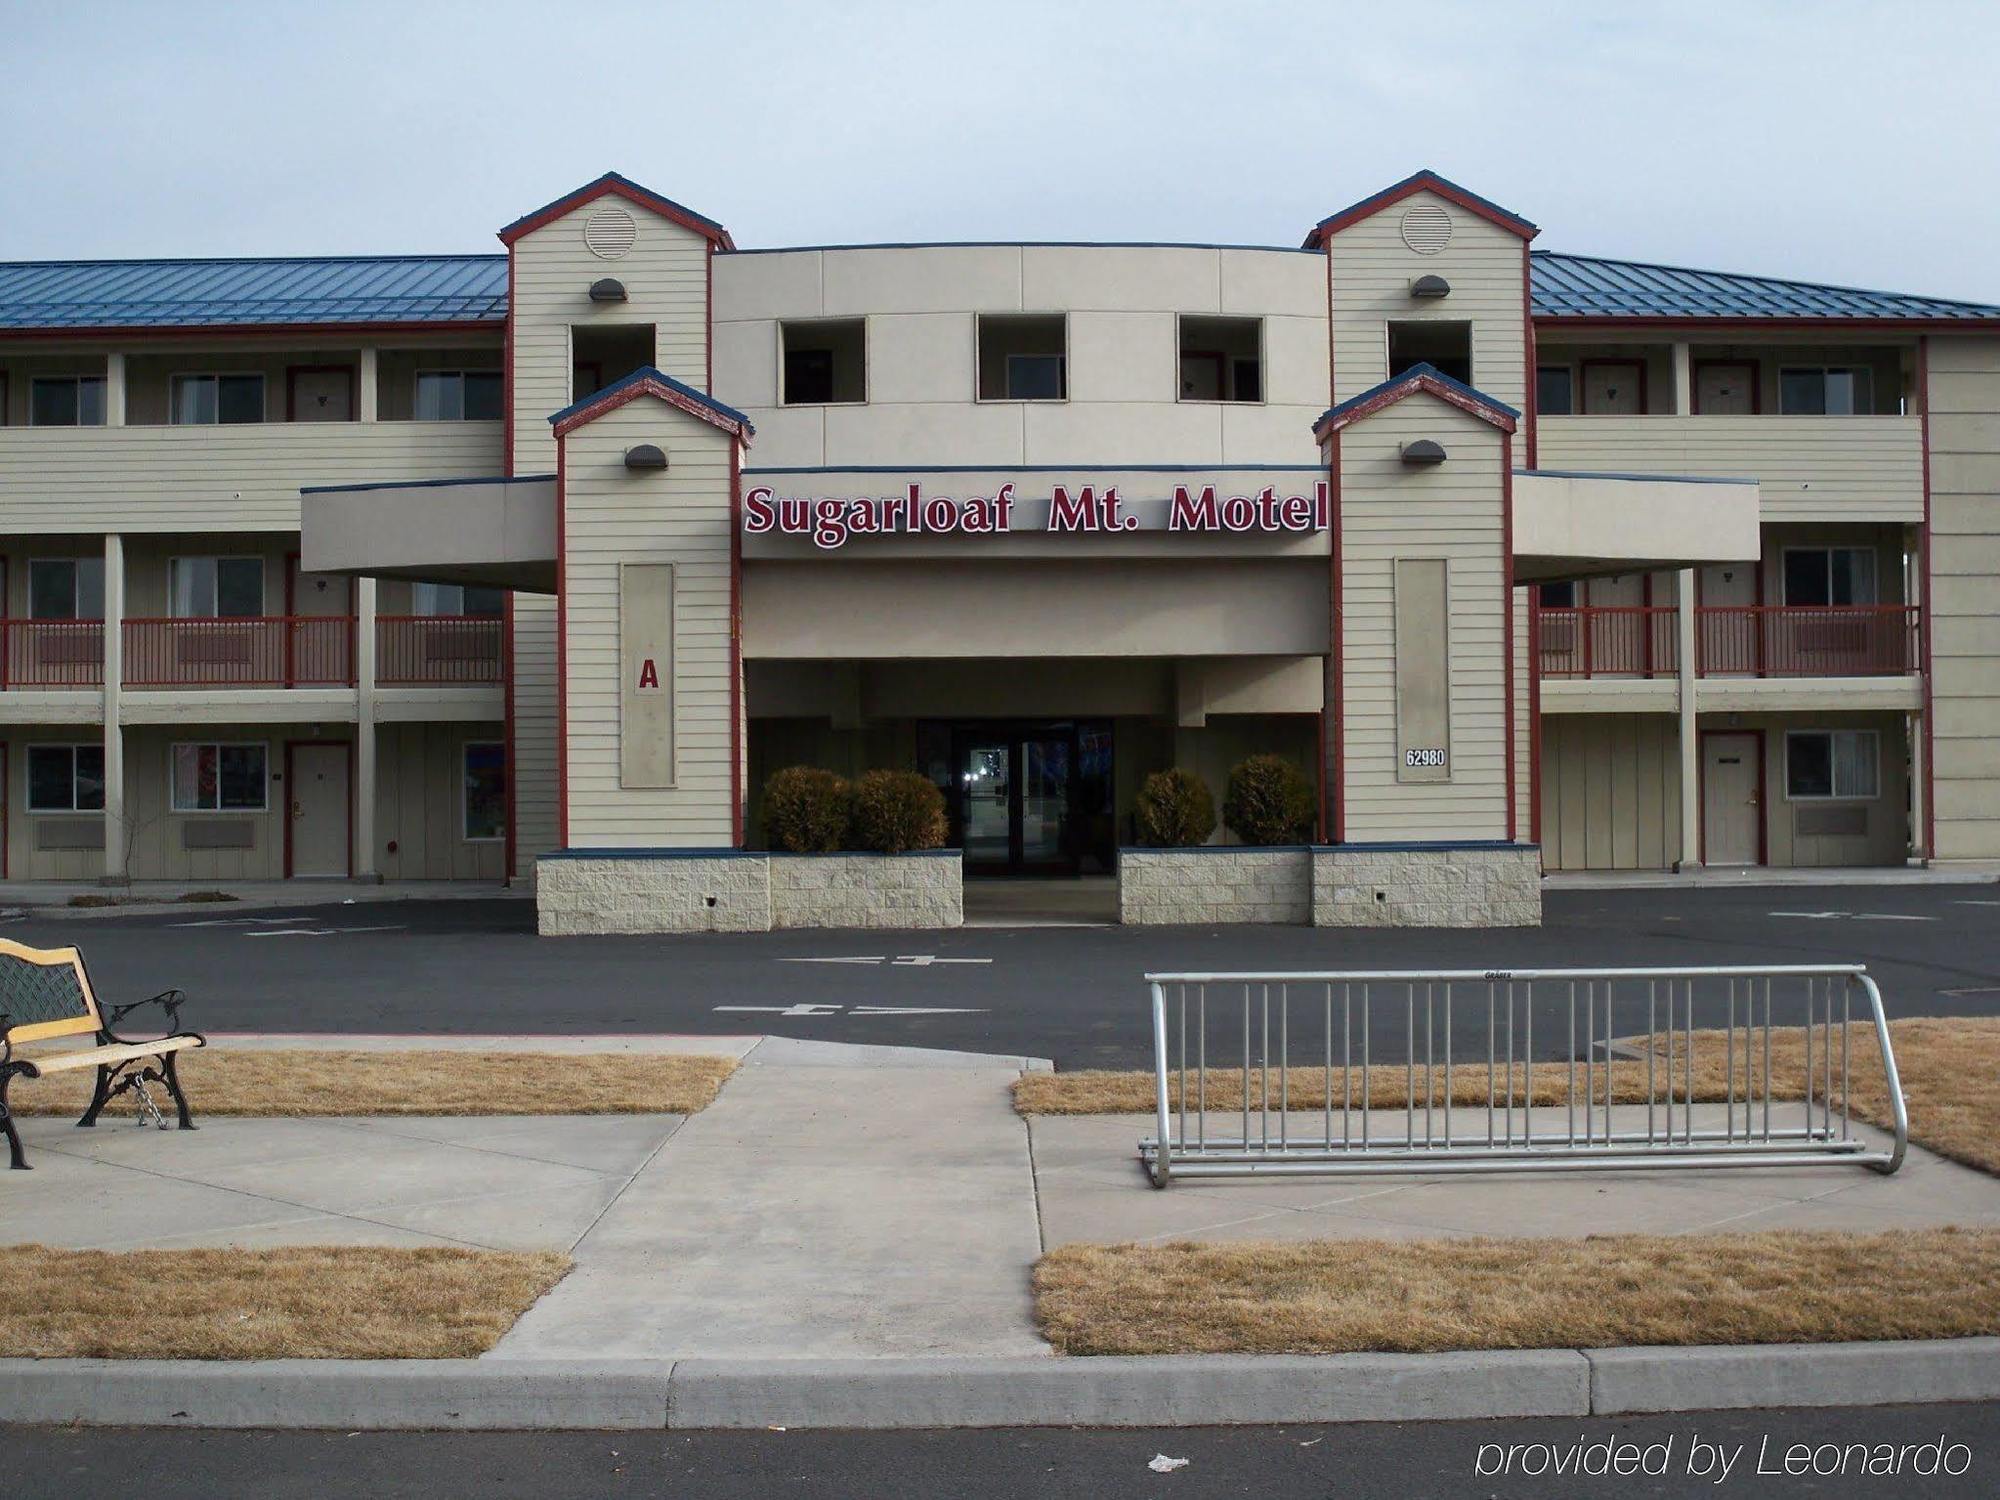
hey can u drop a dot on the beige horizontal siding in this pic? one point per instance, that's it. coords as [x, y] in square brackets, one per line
[1964, 397]
[80, 479]
[1453, 512]
[1809, 468]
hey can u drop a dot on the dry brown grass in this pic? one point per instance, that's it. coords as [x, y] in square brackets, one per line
[222, 1081]
[1950, 1069]
[343, 1302]
[1337, 1296]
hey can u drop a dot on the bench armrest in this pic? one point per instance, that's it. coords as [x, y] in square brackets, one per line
[169, 1001]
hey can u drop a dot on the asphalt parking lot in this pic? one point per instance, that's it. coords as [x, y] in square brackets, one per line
[1072, 994]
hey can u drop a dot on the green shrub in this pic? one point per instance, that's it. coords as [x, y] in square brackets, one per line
[806, 810]
[897, 811]
[1174, 810]
[1269, 801]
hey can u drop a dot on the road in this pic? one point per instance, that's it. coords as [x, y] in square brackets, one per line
[1068, 993]
[1422, 1459]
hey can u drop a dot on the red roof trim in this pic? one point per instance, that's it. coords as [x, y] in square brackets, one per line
[1408, 386]
[1422, 182]
[616, 396]
[612, 183]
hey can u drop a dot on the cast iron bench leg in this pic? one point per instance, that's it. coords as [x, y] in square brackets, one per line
[173, 1081]
[98, 1097]
[18, 1159]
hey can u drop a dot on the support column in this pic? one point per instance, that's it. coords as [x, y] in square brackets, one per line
[114, 390]
[367, 388]
[1920, 851]
[117, 826]
[1683, 381]
[364, 730]
[1690, 738]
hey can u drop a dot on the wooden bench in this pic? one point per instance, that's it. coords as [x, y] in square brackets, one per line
[45, 997]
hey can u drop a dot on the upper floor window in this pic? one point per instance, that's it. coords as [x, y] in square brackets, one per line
[825, 361]
[1555, 390]
[66, 588]
[1830, 575]
[66, 401]
[1023, 357]
[1222, 359]
[458, 396]
[455, 599]
[1444, 345]
[1559, 595]
[205, 400]
[1834, 391]
[207, 588]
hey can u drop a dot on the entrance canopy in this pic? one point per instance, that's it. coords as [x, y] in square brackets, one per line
[497, 532]
[1574, 525]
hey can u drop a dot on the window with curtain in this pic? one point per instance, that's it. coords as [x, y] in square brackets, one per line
[66, 588]
[66, 401]
[207, 588]
[209, 400]
[1830, 575]
[455, 599]
[458, 396]
[219, 778]
[1833, 765]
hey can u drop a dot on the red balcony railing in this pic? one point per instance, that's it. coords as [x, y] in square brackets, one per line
[266, 651]
[1610, 641]
[1764, 640]
[1786, 640]
[428, 650]
[51, 653]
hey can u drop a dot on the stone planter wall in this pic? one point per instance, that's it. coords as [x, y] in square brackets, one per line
[1215, 883]
[600, 891]
[1427, 885]
[606, 891]
[925, 889]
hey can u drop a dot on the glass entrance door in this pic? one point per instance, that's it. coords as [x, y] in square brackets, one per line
[1024, 798]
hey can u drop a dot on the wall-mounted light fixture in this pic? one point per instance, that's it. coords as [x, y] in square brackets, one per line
[1422, 452]
[645, 456]
[610, 289]
[1430, 287]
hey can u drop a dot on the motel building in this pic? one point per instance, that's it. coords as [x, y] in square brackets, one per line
[534, 566]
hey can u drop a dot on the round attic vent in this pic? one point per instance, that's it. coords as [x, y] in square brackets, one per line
[610, 231]
[1426, 229]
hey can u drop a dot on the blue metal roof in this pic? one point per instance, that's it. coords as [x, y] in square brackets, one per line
[208, 293]
[1589, 286]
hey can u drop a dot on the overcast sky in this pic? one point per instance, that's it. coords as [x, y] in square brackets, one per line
[1846, 142]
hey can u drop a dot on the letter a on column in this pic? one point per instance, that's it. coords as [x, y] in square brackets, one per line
[646, 674]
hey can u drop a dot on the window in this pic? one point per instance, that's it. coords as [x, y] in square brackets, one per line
[1445, 346]
[1555, 390]
[485, 792]
[458, 396]
[66, 401]
[455, 599]
[208, 588]
[825, 361]
[205, 400]
[1559, 595]
[1832, 764]
[1829, 575]
[65, 778]
[219, 778]
[1834, 392]
[1023, 357]
[1222, 359]
[66, 588]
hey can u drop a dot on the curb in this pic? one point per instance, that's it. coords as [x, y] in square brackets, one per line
[1135, 1391]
